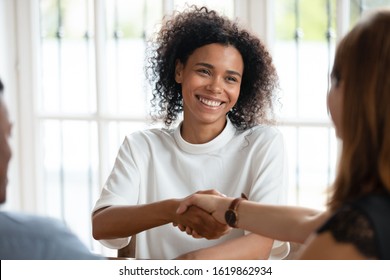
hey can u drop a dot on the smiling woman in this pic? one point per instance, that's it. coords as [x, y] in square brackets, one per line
[222, 79]
[258, 79]
[210, 82]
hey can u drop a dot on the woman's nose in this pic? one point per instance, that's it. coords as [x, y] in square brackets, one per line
[215, 86]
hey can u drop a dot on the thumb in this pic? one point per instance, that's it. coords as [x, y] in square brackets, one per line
[183, 206]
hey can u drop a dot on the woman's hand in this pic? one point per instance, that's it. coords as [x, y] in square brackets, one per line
[200, 224]
[211, 201]
[207, 227]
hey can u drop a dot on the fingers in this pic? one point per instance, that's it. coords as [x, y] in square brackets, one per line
[188, 230]
[196, 235]
[196, 215]
[200, 224]
[183, 206]
[182, 227]
[203, 199]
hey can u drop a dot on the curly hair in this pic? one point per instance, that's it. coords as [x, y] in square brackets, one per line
[191, 29]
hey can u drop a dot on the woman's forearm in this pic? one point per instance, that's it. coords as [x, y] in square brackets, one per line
[285, 223]
[123, 221]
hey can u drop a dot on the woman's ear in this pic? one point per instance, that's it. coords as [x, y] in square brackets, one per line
[179, 72]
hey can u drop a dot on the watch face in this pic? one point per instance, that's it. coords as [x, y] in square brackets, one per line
[231, 218]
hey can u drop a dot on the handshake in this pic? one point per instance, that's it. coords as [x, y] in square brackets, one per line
[202, 214]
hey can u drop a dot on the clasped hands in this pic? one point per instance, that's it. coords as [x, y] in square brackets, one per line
[201, 215]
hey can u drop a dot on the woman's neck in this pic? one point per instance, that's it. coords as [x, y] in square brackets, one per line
[200, 133]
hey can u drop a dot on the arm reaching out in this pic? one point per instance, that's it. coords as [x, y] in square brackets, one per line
[268, 220]
[123, 221]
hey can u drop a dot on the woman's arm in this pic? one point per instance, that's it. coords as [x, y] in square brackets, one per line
[285, 223]
[123, 221]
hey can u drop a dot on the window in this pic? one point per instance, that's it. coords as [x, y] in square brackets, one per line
[81, 89]
[303, 51]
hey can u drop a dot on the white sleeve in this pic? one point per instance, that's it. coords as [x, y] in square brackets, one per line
[271, 175]
[122, 185]
[121, 188]
[271, 182]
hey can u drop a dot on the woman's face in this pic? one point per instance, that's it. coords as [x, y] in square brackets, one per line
[335, 103]
[210, 81]
[5, 150]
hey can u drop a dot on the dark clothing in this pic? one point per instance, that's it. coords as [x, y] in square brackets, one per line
[365, 223]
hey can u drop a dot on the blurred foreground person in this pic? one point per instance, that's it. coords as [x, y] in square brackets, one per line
[29, 237]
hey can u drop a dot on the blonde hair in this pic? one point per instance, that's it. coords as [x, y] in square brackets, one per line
[362, 63]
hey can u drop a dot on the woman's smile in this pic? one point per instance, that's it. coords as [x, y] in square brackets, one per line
[209, 102]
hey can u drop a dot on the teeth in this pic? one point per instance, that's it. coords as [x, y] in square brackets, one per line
[209, 102]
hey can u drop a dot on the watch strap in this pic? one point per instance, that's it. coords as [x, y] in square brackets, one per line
[233, 208]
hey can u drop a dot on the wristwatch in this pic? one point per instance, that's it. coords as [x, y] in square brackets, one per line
[231, 215]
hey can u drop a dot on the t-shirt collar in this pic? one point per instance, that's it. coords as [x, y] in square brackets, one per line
[222, 139]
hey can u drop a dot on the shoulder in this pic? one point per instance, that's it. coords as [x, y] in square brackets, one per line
[373, 204]
[376, 210]
[263, 134]
[24, 236]
[34, 226]
[266, 130]
[263, 138]
[349, 225]
[149, 136]
[325, 247]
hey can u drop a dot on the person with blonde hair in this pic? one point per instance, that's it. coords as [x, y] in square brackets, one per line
[357, 222]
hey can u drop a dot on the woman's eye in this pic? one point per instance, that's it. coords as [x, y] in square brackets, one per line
[231, 79]
[334, 81]
[204, 71]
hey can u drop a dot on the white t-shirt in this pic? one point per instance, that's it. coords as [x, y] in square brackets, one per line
[158, 164]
